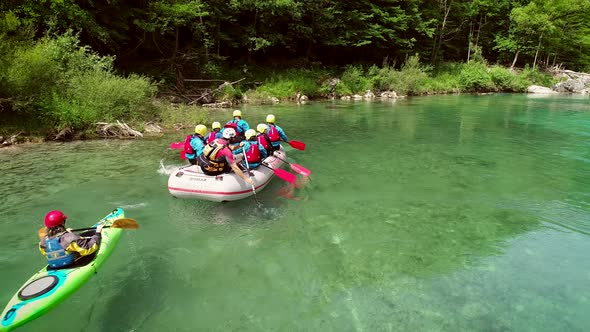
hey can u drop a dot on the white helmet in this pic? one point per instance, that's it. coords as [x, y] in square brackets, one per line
[229, 133]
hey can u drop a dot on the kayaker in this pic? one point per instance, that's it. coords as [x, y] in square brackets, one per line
[217, 157]
[239, 125]
[253, 151]
[214, 133]
[275, 133]
[194, 144]
[63, 247]
[263, 137]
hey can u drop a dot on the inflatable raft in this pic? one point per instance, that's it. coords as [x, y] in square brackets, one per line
[190, 182]
[47, 288]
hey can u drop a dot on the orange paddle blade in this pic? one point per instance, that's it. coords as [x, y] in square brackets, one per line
[126, 223]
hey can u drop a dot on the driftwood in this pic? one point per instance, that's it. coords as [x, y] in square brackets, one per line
[10, 141]
[223, 104]
[116, 130]
[222, 86]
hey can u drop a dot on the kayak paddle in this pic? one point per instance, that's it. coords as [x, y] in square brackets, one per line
[125, 223]
[282, 174]
[296, 167]
[250, 176]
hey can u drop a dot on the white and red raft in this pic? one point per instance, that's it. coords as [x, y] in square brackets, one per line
[190, 182]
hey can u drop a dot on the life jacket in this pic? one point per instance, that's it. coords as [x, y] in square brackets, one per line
[233, 124]
[210, 137]
[211, 164]
[253, 153]
[273, 133]
[188, 149]
[265, 141]
[56, 255]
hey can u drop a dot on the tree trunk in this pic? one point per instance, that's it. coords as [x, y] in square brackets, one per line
[514, 61]
[537, 52]
[469, 41]
[446, 10]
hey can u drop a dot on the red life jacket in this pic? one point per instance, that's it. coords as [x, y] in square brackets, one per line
[188, 149]
[273, 133]
[210, 137]
[232, 124]
[264, 140]
[253, 153]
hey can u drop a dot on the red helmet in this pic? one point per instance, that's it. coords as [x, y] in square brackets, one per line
[54, 218]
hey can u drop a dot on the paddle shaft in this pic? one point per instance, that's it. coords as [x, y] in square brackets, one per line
[88, 228]
[248, 170]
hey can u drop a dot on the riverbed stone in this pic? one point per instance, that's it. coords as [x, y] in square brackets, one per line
[388, 94]
[540, 90]
[571, 85]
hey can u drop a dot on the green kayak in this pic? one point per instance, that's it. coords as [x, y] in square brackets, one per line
[48, 288]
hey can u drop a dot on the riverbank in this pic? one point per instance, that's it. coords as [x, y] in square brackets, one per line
[173, 109]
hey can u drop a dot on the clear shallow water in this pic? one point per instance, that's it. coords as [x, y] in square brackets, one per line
[433, 214]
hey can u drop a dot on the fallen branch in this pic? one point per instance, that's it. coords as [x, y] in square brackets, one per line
[212, 91]
[116, 130]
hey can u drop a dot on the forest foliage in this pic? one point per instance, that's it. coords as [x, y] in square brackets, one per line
[71, 62]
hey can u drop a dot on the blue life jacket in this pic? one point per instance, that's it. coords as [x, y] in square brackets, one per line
[56, 255]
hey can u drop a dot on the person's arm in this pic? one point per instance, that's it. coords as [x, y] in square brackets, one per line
[241, 148]
[239, 172]
[42, 247]
[244, 125]
[229, 158]
[197, 145]
[84, 245]
[282, 134]
[262, 150]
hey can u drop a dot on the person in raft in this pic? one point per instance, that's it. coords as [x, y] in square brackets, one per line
[217, 157]
[239, 125]
[253, 151]
[214, 133]
[194, 144]
[263, 138]
[275, 133]
[63, 247]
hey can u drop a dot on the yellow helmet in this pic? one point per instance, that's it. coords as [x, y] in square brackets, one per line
[261, 127]
[201, 130]
[216, 125]
[270, 118]
[249, 133]
[237, 113]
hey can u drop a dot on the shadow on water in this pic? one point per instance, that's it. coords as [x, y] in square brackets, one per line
[136, 293]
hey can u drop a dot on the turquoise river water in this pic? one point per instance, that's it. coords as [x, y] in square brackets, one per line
[449, 213]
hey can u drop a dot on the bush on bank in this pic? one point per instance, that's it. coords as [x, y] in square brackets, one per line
[54, 83]
[412, 78]
[57, 83]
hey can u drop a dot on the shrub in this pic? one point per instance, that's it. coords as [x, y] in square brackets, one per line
[98, 96]
[474, 76]
[502, 78]
[286, 84]
[353, 81]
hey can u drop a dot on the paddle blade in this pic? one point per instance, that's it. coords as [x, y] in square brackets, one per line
[177, 145]
[297, 145]
[300, 169]
[285, 175]
[42, 232]
[182, 155]
[126, 223]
